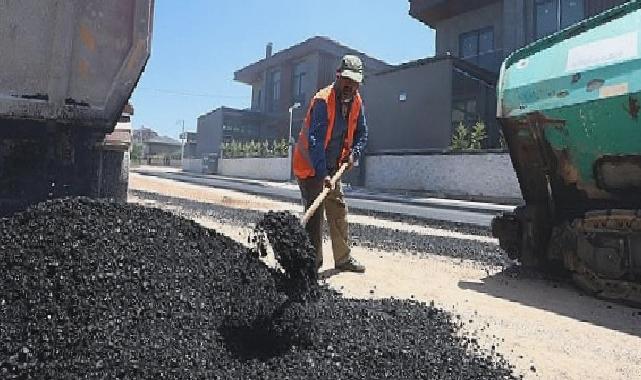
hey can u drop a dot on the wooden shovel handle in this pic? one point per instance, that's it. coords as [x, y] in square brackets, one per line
[321, 197]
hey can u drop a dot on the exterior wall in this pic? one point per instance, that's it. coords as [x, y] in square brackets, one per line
[513, 22]
[320, 72]
[276, 169]
[320, 57]
[468, 175]
[319, 64]
[162, 162]
[286, 80]
[515, 32]
[313, 66]
[327, 69]
[423, 121]
[154, 149]
[594, 7]
[192, 165]
[310, 64]
[258, 95]
[210, 132]
[591, 7]
[320, 69]
[190, 150]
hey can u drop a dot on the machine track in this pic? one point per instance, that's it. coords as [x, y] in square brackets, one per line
[603, 252]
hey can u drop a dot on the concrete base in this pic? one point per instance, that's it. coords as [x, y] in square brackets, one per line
[466, 175]
[275, 169]
[192, 165]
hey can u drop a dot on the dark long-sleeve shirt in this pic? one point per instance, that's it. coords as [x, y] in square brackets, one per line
[322, 159]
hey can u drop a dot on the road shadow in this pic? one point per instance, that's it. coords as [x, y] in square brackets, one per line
[558, 296]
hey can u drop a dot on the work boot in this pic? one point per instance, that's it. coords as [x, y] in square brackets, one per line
[351, 265]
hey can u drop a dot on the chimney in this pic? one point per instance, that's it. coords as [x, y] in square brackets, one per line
[268, 50]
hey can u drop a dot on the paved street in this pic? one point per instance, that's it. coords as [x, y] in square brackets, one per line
[454, 211]
[546, 328]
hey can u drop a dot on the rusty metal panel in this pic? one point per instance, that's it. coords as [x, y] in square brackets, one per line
[71, 61]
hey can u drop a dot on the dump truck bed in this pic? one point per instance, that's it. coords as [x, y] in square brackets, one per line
[72, 62]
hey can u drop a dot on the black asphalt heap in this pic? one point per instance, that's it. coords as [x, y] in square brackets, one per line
[90, 289]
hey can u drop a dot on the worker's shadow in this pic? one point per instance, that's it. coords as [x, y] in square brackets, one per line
[328, 273]
[559, 297]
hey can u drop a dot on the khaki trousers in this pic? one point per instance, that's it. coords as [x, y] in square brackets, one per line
[336, 212]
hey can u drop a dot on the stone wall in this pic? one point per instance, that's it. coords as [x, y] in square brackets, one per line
[193, 165]
[488, 175]
[275, 169]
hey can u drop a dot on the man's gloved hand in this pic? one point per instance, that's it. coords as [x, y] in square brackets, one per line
[350, 161]
[328, 183]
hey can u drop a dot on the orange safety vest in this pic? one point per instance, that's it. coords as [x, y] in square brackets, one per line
[303, 167]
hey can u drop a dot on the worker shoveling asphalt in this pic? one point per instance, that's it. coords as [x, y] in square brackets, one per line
[331, 140]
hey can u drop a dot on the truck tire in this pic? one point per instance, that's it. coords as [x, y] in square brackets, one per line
[114, 175]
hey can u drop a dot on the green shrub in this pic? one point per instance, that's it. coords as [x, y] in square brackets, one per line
[460, 138]
[465, 138]
[478, 136]
[238, 149]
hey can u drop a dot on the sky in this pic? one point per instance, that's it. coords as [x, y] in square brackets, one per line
[198, 44]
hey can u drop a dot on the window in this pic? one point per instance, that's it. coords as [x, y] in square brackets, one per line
[553, 15]
[571, 12]
[477, 42]
[298, 89]
[469, 45]
[275, 89]
[464, 111]
[477, 46]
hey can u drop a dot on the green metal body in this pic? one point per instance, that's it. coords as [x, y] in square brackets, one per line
[569, 107]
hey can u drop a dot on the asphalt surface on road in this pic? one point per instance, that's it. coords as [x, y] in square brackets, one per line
[473, 213]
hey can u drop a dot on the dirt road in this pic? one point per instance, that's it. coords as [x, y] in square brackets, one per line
[546, 328]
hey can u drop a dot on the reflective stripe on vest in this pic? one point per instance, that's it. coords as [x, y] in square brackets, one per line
[302, 163]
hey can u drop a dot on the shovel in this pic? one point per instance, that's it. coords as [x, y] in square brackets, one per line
[263, 233]
[321, 197]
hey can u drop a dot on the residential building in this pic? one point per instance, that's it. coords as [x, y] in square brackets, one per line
[485, 32]
[295, 74]
[143, 134]
[278, 82]
[189, 144]
[414, 107]
[229, 124]
[161, 146]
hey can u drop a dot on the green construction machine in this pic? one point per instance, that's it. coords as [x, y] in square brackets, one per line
[569, 107]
